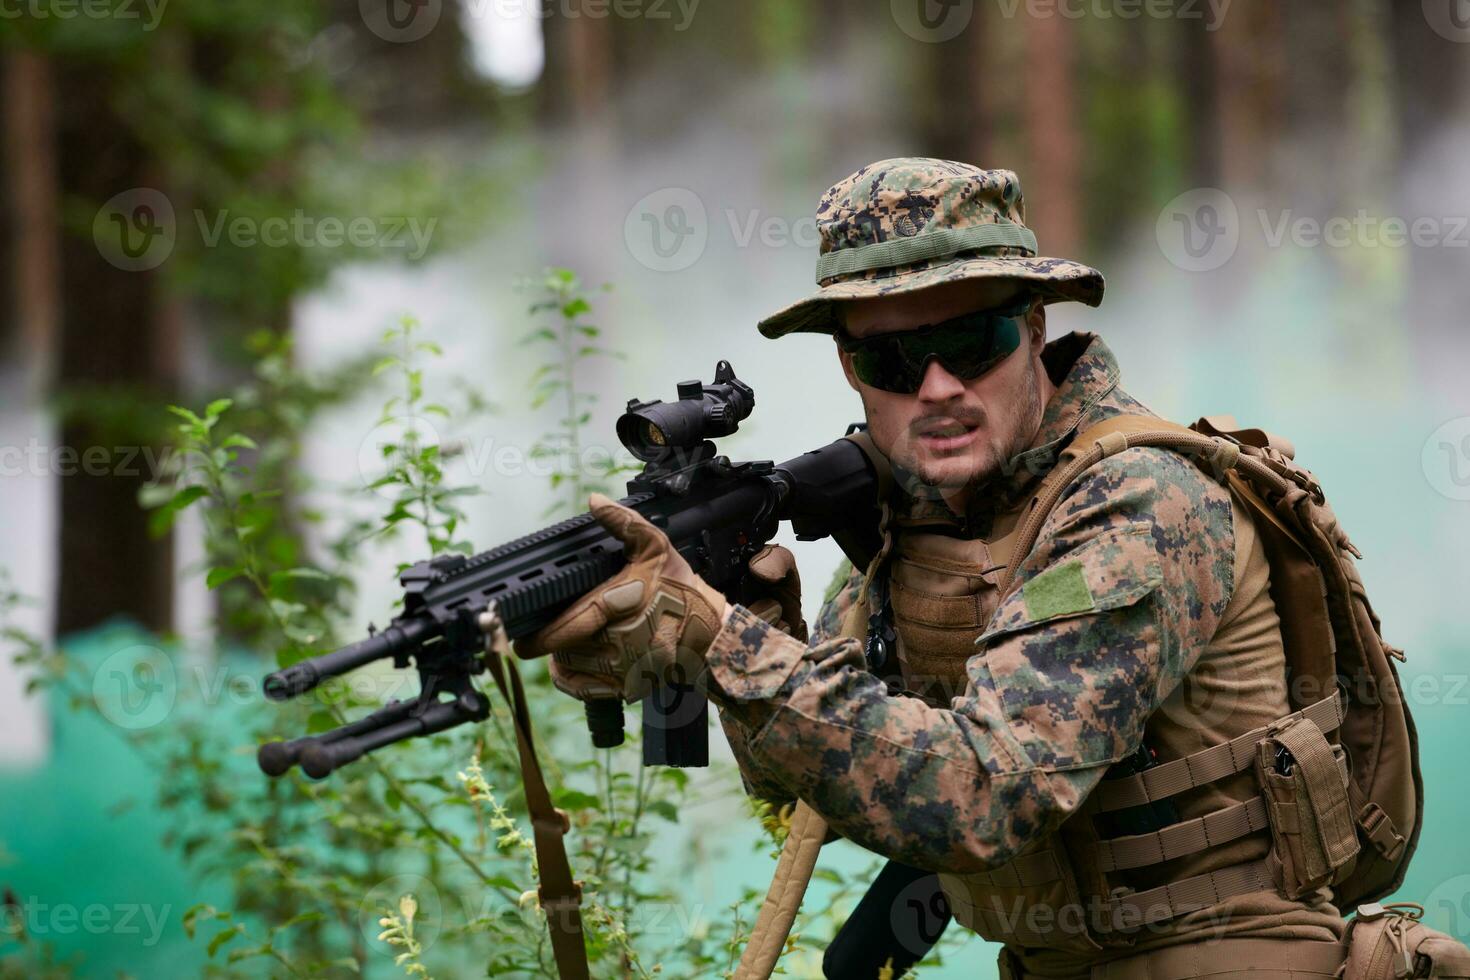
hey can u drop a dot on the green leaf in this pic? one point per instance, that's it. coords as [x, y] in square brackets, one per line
[224, 936]
[245, 953]
[541, 333]
[238, 439]
[222, 574]
[201, 911]
[393, 799]
[217, 408]
[187, 496]
[665, 809]
[571, 799]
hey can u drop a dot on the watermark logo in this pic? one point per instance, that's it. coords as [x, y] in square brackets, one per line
[667, 230]
[919, 914]
[1199, 230]
[1450, 19]
[1448, 908]
[1203, 700]
[135, 230]
[135, 687]
[400, 21]
[932, 21]
[1445, 459]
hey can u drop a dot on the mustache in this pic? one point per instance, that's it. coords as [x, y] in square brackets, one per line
[968, 417]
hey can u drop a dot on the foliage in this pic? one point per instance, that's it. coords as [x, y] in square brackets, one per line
[577, 470]
[390, 867]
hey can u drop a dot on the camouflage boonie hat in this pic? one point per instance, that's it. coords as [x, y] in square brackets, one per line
[901, 225]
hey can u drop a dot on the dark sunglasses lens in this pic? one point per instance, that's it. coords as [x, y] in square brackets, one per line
[882, 364]
[967, 352]
[968, 348]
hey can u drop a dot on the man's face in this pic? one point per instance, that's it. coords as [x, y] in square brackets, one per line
[953, 433]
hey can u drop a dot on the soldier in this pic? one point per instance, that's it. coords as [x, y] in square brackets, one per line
[1143, 630]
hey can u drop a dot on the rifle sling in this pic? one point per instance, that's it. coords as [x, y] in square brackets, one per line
[559, 895]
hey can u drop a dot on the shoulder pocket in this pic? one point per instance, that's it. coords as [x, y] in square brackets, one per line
[1114, 569]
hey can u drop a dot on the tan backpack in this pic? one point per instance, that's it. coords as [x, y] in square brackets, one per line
[1333, 642]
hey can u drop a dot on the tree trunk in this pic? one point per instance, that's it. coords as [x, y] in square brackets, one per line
[31, 248]
[1197, 69]
[956, 122]
[118, 342]
[1051, 182]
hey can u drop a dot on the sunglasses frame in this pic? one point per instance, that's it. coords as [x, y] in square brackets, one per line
[852, 345]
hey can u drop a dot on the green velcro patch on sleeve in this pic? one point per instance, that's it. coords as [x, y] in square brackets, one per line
[1057, 592]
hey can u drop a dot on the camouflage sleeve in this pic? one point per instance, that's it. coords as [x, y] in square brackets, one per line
[847, 582]
[1121, 593]
[758, 782]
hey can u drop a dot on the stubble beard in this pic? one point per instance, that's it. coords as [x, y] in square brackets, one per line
[941, 477]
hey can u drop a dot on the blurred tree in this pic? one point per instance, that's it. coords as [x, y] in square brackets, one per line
[1429, 96]
[1053, 146]
[955, 119]
[28, 243]
[1248, 43]
[1196, 71]
[170, 133]
[119, 346]
[577, 83]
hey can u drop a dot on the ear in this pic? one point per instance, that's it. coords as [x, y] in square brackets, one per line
[846, 360]
[1036, 326]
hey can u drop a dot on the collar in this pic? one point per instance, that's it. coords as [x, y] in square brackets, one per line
[1085, 373]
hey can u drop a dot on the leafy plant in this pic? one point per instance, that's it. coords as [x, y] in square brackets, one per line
[392, 867]
[565, 302]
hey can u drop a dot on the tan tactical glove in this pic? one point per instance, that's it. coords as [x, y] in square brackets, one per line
[778, 587]
[632, 630]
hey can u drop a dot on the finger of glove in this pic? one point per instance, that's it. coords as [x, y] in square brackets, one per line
[583, 685]
[577, 624]
[772, 564]
[774, 613]
[644, 548]
[642, 542]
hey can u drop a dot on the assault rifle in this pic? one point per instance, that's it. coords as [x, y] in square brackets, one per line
[717, 513]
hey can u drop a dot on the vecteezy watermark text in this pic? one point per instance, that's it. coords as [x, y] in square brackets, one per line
[1201, 229]
[137, 230]
[150, 12]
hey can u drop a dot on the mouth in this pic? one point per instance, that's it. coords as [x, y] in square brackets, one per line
[946, 435]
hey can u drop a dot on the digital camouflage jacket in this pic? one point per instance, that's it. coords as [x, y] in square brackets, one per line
[1058, 689]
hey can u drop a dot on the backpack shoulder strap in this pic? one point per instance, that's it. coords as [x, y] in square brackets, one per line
[1091, 446]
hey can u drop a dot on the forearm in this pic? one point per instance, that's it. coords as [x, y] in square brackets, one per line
[941, 789]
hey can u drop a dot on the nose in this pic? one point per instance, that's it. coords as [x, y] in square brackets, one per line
[938, 385]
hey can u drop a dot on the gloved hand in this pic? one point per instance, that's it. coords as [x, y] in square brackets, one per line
[632, 630]
[776, 586]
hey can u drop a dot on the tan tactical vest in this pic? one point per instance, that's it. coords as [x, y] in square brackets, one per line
[1284, 797]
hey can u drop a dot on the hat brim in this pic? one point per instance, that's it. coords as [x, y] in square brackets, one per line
[1054, 280]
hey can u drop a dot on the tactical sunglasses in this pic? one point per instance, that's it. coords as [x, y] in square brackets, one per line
[968, 346]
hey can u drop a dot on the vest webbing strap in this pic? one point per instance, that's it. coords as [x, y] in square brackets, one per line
[1176, 840]
[1206, 765]
[1298, 958]
[1037, 868]
[1135, 909]
[559, 895]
